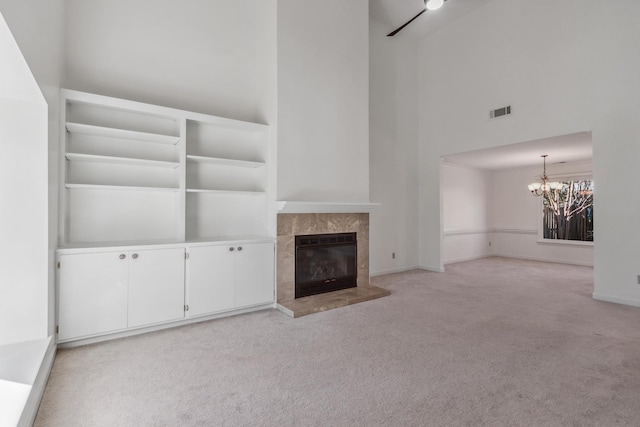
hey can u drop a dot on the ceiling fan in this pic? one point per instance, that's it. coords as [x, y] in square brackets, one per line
[428, 5]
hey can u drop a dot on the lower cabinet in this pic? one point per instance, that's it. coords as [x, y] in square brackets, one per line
[223, 277]
[254, 268]
[92, 294]
[109, 291]
[210, 280]
[156, 286]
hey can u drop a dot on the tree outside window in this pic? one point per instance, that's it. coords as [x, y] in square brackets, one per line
[568, 212]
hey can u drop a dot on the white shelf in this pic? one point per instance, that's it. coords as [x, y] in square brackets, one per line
[108, 246]
[120, 160]
[121, 133]
[227, 162]
[116, 187]
[229, 192]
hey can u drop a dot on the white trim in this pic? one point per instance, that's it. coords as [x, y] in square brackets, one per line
[285, 310]
[562, 242]
[465, 231]
[616, 300]
[393, 270]
[433, 269]
[515, 231]
[325, 207]
[171, 324]
[541, 259]
[468, 231]
[30, 411]
[471, 258]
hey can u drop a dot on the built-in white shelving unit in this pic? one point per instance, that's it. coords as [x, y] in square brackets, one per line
[133, 172]
[155, 208]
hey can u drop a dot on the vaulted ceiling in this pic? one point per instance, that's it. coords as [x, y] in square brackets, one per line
[567, 148]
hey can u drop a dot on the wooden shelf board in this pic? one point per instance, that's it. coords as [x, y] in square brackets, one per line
[116, 187]
[121, 133]
[227, 162]
[120, 160]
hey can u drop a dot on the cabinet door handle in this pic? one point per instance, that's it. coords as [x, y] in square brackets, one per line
[122, 256]
[231, 249]
[239, 248]
[134, 256]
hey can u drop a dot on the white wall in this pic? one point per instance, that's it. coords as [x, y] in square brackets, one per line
[393, 160]
[466, 209]
[38, 29]
[23, 192]
[323, 100]
[566, 66]
[201, 56]
[515, 216]
[268, 92]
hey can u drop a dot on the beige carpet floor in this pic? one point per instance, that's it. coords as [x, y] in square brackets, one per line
[492, 342]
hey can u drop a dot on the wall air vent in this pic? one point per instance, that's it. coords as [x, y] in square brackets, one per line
[499, 112]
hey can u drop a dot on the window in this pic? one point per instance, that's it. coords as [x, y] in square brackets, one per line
[567, 212]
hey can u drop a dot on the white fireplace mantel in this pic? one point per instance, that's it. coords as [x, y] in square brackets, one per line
[325, 207]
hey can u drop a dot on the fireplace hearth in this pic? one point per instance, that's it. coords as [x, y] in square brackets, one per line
[325, 263]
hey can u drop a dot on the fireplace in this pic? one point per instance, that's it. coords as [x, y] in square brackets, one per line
[292, 225]
[325, 263]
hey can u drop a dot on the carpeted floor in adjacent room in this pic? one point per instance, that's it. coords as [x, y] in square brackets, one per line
[492, 342]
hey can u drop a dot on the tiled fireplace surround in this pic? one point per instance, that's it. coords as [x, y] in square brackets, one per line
[292, 224]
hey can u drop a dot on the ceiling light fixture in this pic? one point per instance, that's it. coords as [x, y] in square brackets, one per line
[543, 187]
[434, 4]
[428, 5]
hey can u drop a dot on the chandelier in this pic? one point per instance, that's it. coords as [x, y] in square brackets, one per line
[543, 187]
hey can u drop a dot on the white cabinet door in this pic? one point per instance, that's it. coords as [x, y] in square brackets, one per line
[156, 286]
[210, 279]
[254, 274]
[92, 294]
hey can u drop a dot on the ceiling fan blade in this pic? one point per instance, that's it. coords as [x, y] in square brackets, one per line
[396, 31]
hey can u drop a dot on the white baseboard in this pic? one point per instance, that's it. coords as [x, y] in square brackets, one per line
[393, 270]
[471, 258]
[285, 310]
[75, 342]
[617, 300]
[37, 390]
[542, 259]
[434, 269]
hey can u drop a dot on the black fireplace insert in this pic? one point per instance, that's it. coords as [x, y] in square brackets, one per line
[325, 263]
